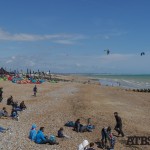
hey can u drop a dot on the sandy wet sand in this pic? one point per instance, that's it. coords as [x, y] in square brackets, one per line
[57, 103]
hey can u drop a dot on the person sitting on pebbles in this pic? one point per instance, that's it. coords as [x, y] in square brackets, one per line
[10, 101]
[23, 106]
[107, 134]
[91, 146]
[61, 134]
[3, 112]
[33, 132]
[14, 114]
[77, 126]
[83, 128]
[42, 139]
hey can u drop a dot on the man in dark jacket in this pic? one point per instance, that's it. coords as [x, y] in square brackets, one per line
[118, 126]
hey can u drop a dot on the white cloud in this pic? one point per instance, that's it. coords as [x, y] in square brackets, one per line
[13, 57]
[109, 34]
[9, 61]
[68, 42]
[59, 38]
[113, 63]
[115, 57]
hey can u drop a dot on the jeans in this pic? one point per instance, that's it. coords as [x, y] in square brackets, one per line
[104, 137]
[118, 128]
[2, 129]
[48, 141]
[18, 109]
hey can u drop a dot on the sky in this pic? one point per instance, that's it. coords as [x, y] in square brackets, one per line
[70, 36]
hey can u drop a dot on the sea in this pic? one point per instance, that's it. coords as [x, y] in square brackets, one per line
[124, 81]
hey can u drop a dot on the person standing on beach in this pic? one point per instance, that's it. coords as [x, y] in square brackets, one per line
[1, 94]
[35, 90]
[118, 126]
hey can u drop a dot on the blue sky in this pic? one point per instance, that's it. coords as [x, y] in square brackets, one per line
[71, 35]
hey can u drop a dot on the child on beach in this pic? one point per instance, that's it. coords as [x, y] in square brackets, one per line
[107, 134]
[61, 134]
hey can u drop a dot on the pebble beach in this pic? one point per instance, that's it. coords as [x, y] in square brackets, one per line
[57, 103]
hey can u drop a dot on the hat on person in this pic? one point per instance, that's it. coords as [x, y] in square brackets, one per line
[80, 147]
[85, 143]
[33, 126]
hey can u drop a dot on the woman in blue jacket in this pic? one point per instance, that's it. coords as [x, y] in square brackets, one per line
[33, 132]
[42, 139]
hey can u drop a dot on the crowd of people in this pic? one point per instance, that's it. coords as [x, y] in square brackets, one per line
[14, 110]
[107, 139]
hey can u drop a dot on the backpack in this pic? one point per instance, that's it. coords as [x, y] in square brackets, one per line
[52, 138]
[70, 124]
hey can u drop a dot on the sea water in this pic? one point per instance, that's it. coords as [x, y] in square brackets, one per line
[125, 81]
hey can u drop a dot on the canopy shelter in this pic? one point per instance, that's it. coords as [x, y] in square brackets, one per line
[3, 72]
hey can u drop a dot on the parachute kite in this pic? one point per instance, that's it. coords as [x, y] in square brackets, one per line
[142, 53]
[107, 51]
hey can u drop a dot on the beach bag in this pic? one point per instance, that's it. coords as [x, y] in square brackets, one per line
[70, 124]
[90, 128]
[52, 138]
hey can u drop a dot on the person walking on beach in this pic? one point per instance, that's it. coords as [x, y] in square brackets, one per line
[35, 90]
[118, 126]
[1, 94]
